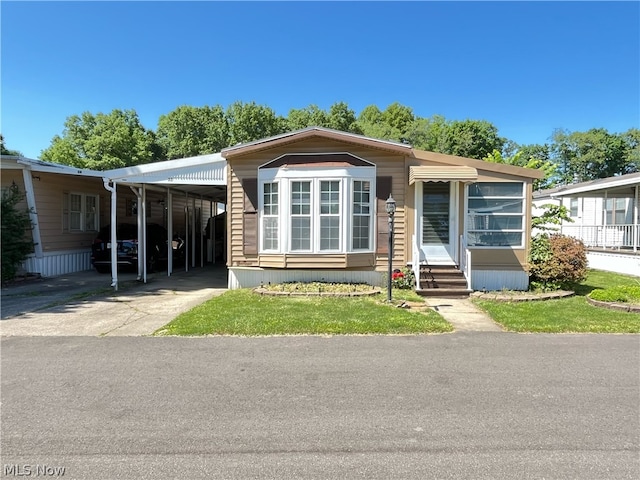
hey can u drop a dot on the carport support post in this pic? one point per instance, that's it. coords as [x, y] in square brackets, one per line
[111, 187]
[143, 222]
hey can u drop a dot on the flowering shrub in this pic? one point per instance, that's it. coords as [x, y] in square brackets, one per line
[402, 279]
[556, 261]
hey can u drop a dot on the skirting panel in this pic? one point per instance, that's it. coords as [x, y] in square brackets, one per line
[615, 262]
[243, 277]
[493, 280]
[53, 264]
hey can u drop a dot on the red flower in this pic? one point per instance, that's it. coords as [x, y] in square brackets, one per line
[397, 275]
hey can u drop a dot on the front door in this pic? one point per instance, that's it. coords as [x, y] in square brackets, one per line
[437, 224]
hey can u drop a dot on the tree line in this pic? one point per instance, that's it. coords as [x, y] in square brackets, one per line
[118, 139]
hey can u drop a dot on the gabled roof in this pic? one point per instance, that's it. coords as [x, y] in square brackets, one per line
[393, 147]
[319, 132]
[477, 164]
[610, 184]
[17, 162]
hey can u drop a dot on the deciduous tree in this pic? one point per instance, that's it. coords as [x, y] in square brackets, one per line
[103, 141]
[188, 131]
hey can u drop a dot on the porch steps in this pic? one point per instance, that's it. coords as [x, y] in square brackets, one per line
[442, 281]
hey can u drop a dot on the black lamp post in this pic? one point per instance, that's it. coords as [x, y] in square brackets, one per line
[391, 211]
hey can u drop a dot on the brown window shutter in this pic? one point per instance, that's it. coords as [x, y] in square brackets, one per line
[250, 216]
[383, 190]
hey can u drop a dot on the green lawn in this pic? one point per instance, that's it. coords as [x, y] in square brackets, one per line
[242, 312]
[573, 314]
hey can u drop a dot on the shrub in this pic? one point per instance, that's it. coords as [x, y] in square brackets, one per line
[619, 293]
[556, 261]
[403, 279]
[14, 242]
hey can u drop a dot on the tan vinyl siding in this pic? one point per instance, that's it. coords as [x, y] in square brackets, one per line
[340, 260]
[49, 196]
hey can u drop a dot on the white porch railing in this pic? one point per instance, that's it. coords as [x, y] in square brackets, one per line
[605, 236]
[415, 260]
[465, 260]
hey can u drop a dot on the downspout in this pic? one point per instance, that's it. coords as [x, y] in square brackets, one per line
[33, 215]
[111, 187]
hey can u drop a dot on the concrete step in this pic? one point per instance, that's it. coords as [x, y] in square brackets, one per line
[444, 292]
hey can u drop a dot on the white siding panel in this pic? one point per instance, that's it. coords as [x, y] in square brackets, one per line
[252, 277]
[53, 264]
[615, 262]
[494, 280]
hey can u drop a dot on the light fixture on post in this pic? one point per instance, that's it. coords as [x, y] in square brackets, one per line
[391, 211]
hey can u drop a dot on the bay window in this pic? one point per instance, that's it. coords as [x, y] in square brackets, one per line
[316, 210]
[495, 214]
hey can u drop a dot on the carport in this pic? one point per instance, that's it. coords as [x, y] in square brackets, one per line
[195, 180]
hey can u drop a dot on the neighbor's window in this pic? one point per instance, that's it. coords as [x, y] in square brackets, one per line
[573, 207]
[80, 212]
[495, 214]
[616, 211]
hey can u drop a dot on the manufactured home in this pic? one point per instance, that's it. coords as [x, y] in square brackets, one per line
[605, 216]
[312, 205]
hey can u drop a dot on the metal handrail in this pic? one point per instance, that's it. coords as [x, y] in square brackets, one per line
[465, 260]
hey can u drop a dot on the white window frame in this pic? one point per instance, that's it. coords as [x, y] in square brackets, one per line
[470, 231]
[346, 176]
[83, 212]
[276, 216]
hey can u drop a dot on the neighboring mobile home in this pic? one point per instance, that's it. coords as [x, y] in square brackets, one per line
[605, 216]
[68, 207]
[310, 205]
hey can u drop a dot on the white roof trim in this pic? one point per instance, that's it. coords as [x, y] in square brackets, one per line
[36, 165]
[591, 186]
[317, 129]
[208, 169]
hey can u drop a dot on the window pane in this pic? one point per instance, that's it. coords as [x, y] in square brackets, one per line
[494, 239]
[495, 206]
[360, 232]
[496, 189]
[300, 233]
[75, 221]
[270, 199]
[361, 215]
[300, 198]
[75, 203]
[490, 222]
[329, 198]
[270, 234]
[329, 233]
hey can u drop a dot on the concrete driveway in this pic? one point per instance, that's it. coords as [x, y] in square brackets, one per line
[84, 303]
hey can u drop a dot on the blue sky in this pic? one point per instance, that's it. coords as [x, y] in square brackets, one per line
[527, 67]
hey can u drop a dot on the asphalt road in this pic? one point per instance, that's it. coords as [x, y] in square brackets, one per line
[464, 405]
